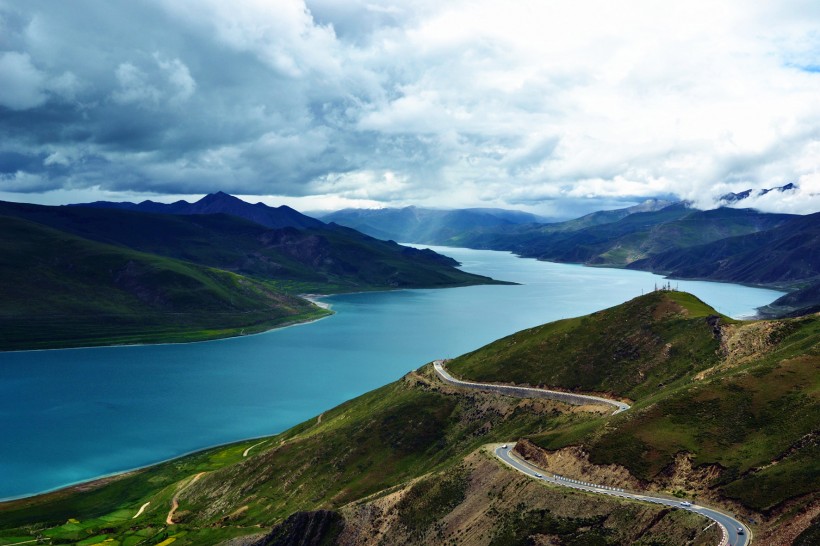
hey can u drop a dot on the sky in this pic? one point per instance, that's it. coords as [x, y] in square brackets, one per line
[549, 106]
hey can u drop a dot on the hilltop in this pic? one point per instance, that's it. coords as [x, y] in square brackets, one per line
[726, 414]
[60, 290]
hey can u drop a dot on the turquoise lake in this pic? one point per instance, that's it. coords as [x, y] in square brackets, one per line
[76, 414]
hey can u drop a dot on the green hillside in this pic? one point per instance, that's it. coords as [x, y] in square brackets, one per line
[728, 417]
[59, 290]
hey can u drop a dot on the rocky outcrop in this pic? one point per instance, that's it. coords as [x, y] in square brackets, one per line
[305, 529]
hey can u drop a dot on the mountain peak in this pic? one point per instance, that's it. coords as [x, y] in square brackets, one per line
[218, 197]
[731, 197]
[224, 203]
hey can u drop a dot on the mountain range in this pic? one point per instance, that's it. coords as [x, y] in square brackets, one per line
[125, 275]
[731, 198]
[222, 203]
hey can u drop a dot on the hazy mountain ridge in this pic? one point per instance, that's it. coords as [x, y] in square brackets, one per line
[404, 463]
[426, 226]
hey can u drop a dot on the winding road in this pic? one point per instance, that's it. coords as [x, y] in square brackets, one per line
[735, 533]
[175, 501]
[728, 524]
[529, 392]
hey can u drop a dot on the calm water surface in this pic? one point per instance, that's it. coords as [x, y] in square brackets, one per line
[72, 415]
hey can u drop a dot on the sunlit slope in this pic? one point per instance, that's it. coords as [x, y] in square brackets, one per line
[631, 350]
[59, 290]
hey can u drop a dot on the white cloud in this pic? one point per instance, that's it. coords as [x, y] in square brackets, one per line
[134, 87]
[179, 77]
[23, 182]
[23, 84]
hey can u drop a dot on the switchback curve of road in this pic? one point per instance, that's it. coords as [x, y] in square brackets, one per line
[528, 392]
[727, 523]
[735, 533]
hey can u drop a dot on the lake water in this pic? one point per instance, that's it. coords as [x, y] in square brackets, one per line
[72, 415]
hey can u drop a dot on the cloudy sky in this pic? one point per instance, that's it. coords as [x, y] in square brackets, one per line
[549, 106]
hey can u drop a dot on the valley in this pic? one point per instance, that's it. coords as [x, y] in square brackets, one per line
[407, 461]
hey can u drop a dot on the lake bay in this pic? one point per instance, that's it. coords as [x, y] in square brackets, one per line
[72, 415]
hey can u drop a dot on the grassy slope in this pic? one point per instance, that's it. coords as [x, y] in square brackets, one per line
[768, 410]
[59, 290]
[377, 442]
[740, 418]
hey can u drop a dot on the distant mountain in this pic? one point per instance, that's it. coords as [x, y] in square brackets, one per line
[608, 216]
[803, 301]
[606, 239]
[428, 226]
[521, 236]
[216, 203]
[77, 276]
[726, 244]
[732, 198]
[786, 252]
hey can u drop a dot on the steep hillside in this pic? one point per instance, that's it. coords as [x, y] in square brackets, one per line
[718, 399]
[785, 253]
[59, 290]
[406, 463]
[326, 259]
[644, 233]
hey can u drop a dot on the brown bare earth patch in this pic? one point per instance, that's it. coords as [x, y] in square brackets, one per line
[795, 519]
[667, 308]
[742, 342]
[573, 462]
[746, 342]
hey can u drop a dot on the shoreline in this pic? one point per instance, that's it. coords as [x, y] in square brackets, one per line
[90, 483]
[282, 326]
